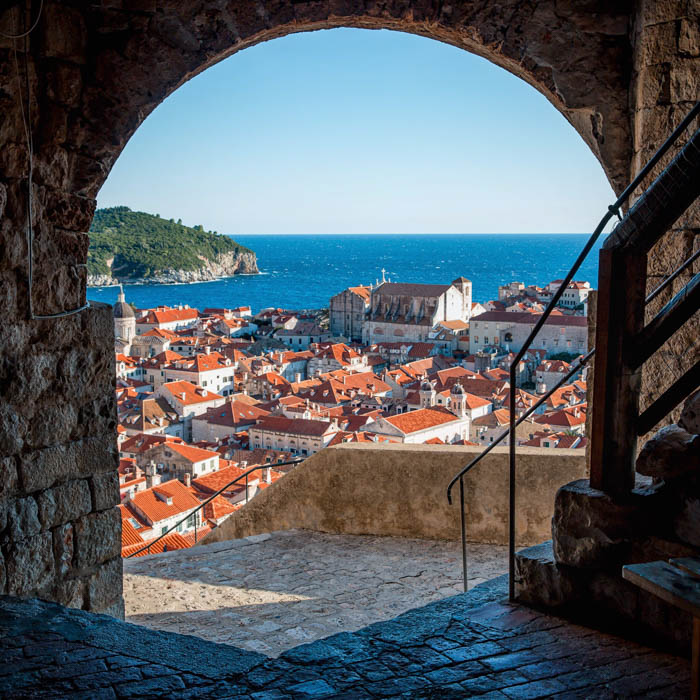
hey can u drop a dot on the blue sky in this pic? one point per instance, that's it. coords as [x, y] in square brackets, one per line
[357, 131]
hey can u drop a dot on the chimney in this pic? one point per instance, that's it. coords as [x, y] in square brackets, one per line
[267, 475]
[182, 395]
[207, 350]
[188, 479]
[243, 464]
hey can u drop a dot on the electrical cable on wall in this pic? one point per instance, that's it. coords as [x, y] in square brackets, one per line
[26, 122]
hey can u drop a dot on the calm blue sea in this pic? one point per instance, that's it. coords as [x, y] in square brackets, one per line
[305, 271]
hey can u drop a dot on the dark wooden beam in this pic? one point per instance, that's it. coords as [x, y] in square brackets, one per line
[682, 387]
[673, 191]
[671, 317]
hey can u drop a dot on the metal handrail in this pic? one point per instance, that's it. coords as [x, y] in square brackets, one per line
[613, 210]
[211, 498]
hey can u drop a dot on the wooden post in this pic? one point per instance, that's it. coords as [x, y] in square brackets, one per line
[620, 317]
[695, 676]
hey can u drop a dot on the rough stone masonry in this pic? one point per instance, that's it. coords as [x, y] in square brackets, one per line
[623, 74]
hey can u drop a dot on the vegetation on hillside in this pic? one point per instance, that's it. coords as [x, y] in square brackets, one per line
[143, 244]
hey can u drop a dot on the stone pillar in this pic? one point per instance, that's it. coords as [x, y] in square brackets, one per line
[59, 525]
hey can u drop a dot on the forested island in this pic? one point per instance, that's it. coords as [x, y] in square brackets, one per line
[136, 247]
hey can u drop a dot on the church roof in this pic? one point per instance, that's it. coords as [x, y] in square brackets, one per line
[412, 290]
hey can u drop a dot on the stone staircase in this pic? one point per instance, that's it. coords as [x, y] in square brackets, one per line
[579, 572]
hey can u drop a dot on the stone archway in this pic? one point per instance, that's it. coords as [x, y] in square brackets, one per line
[95, 71]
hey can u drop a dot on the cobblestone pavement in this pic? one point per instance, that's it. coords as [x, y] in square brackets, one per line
[269, 593]
[462, 646]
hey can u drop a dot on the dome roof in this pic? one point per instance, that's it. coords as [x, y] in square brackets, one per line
[122, 310]
[457, 389]
[426, 386]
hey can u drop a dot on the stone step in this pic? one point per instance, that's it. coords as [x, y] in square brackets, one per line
[599, 599]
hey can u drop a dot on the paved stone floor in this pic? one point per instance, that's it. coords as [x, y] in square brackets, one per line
[466, 645]
[269, 593]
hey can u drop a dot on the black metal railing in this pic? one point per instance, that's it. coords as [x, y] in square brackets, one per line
[147, 547]
[613, 210]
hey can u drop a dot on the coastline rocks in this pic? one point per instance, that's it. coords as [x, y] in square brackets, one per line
[225, 265]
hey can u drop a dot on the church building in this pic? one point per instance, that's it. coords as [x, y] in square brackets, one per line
[408, 312]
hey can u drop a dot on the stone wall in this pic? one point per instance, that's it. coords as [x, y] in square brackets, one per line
[665, 85]
[59, 529]
[400, 490]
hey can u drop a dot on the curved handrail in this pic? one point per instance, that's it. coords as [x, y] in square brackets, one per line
[211, 498]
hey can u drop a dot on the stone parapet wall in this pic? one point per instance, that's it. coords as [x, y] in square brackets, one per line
[400, 490]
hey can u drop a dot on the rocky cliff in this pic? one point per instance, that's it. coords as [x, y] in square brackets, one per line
[223, 265]
[141, 248]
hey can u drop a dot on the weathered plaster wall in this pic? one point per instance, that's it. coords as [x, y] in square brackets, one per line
[96, 70]
[400, 490]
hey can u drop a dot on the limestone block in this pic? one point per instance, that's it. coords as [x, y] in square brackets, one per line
[63, 549]
[14, 427]
[63, 503]
[70, 592]
[685, 81]
[53, 424]
[689, 38]
[105, 490]
[98, 538]
[592, 531]
[690, 416]
[686, 525]
[30, 565]
[104, 588]
[541, 581]
[64, 34]
[671, 453]
[42, 469]
[8, 478]
[22, 520]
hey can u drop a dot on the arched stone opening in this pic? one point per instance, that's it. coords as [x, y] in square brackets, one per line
[620, 76]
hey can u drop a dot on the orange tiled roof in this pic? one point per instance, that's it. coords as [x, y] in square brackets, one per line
[156, 509]
[421, 419]
[169, 315]
[193, 454]
[193, 394]
[172, 541]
